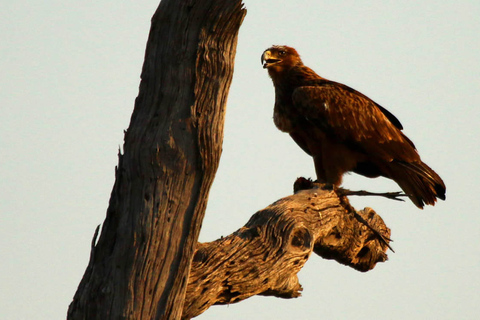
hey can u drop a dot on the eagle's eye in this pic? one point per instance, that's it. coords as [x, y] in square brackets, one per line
[282, 52]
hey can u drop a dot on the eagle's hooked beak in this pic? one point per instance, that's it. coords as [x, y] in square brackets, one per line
[268, 59]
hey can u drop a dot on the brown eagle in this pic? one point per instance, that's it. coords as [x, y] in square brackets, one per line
[344, 130]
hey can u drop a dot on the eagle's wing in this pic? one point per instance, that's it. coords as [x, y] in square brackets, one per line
[352, 118]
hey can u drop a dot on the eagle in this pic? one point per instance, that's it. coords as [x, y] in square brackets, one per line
[344, 130]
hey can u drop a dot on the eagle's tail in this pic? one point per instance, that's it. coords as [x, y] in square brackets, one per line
[418, 181]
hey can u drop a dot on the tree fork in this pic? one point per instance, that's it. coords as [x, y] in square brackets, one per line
[139, 268]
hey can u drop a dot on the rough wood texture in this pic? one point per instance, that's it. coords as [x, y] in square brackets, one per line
[264, 256]
[139, 267]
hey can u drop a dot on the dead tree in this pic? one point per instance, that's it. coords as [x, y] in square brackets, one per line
[139, 268]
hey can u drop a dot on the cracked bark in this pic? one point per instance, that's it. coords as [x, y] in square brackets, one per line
[139, 267]
[264, 256]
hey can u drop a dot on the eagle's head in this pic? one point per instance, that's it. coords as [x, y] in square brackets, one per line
[280, 58]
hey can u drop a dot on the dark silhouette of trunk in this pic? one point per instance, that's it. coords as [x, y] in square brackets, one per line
[139, 267]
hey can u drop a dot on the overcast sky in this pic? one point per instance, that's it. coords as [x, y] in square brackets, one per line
[70, 75]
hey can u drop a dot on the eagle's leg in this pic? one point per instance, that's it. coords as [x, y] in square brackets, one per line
[329, 177]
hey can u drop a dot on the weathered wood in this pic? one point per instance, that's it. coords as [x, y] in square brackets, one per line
[264, 256]
[139, 267]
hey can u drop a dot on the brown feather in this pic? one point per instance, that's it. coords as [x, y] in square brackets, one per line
[344, 130]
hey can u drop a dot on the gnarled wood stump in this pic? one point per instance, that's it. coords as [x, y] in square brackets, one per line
[264, 256]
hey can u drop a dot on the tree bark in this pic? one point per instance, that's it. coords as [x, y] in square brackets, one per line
[264, 256]
[139, 267]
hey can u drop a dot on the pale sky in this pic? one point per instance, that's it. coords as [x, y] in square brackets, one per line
[70, 75]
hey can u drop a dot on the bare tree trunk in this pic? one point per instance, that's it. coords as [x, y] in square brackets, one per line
[139, 267]
[264, 256]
